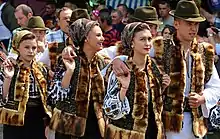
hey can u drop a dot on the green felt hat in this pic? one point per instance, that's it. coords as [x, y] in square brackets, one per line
[187, 10]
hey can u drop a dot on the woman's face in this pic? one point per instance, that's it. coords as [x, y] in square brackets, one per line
[142, 42]
[95, 38]
[166, 34]
[27, 50]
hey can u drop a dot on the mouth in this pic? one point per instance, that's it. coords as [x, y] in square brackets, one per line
[147, 49]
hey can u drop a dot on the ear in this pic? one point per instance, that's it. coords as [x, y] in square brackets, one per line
[176, 24]
[29, 15]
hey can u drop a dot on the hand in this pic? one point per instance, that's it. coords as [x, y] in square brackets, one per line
[68, 56]
[119, 67]
[210, 31]
[8, 69]
[195, 100]
[165, 81]
[40, 46]
[124, 80]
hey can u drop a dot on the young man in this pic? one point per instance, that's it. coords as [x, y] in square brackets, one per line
[194, 87]
[110, 34]
[49, 16]
[164, 9]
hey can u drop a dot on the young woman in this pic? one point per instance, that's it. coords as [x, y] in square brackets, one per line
[168, 32]
[78, 88]
[23, 89]
[134, 102]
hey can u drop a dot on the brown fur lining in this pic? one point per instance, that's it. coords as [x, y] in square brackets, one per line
[140, 106]
[67, 123]
[200, 74]
[90, 85]
[21, 94]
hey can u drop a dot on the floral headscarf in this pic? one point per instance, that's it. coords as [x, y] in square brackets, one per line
[80, 29]
[128, 35]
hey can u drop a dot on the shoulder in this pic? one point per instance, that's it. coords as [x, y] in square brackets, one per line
[103, 60]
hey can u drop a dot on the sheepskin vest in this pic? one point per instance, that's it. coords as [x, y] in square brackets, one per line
[170, 59]
[13, 112]
[134, 125]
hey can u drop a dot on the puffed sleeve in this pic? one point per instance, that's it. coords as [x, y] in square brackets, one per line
[56, 92]
[113, 107]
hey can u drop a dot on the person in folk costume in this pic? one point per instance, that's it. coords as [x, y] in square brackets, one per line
[134, 102]
[77, 91]
[23, 91]
[194, 87]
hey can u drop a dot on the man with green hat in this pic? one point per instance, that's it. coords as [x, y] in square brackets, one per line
[148, 15]
[37, 27]
[194, 87]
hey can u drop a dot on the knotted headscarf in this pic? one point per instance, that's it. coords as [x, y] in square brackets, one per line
[80, 29]
[128, 35]
[18, 37]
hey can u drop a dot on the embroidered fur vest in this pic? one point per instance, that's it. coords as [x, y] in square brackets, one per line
[134, 125]
[87, 83]
[13, 112]
[171, 61]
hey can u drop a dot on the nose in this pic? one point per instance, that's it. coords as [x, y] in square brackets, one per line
[102, 38]
[19, 22]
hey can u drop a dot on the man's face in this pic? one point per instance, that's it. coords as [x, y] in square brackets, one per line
[115, 18]
[63, 20]
[22, 20]
[153, 29]
[40, 34]
[186, 30]
[122, 10]
[164, 10]
[50, 9]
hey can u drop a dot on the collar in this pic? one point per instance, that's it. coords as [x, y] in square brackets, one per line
[2, 5]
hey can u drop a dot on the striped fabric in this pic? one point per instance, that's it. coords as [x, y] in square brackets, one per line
[130, 3]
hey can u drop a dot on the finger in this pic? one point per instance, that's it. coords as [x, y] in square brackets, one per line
[116, 71]
[124, 69]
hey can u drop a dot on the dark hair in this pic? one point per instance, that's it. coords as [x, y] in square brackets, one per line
[24, 8]
[171, 29]
[130, 11]
[118, 12]
[163, 2]
[125, 7]
[27, 37]
[105, 15]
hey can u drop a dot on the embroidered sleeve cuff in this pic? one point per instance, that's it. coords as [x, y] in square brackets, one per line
[114, 108]
[57, 93]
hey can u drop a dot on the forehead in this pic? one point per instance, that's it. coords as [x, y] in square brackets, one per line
[19, 13]
[29, 42]
[143, 33]
[65, 13]
[96, 29]
[163, 5]
[114, 13]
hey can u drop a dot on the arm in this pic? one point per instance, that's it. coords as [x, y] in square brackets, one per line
[211, 92]
[116, 104]
[66, 79]
[55, 90]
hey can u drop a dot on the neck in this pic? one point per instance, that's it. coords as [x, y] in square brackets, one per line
[88, 52]
[166, 17]
[26, 63]
[107, 28]
[140, 60]
[185, 44]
